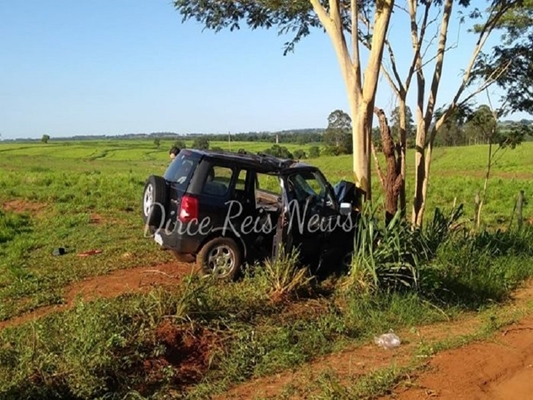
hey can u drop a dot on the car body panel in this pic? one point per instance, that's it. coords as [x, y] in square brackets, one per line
[231, 201]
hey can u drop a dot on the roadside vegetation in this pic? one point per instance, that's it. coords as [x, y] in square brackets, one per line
[201, 337]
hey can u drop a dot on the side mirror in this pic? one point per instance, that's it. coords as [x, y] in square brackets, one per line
[346, 208]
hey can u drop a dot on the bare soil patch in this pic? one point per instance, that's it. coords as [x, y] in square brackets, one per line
[351, 363]
[96, 219]
[20, 206]
[188, 353]
[139, 279]
[498, 369]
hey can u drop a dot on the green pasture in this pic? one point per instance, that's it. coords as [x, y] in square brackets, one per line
[86, 195]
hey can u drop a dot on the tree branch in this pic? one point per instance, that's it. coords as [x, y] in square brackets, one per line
[448, 5]
[483, 36]
[356, 63]
[333, 26]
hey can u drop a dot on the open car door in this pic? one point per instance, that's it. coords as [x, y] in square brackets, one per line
[310, 220]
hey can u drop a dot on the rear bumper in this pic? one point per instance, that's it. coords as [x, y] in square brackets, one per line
[179, 243]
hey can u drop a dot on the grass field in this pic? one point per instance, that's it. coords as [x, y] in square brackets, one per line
[87, 195]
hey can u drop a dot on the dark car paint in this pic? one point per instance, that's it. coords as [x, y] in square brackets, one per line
[312, 245]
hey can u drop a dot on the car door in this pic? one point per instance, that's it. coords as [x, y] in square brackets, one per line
[310, 212]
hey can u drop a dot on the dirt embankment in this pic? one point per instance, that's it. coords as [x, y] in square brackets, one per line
[114, 284]
[501, 368]
[494, 369]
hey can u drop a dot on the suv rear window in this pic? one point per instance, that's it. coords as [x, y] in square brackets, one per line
[181, 170]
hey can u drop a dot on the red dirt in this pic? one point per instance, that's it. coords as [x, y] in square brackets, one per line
[501, 366]
[96, 219]
[498, 369]
[187, 355]
[105, 286]
[23, 206]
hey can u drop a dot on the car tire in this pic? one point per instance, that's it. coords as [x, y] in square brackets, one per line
[221, 257]
[154, 201]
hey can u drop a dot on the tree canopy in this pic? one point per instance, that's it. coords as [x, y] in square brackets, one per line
[338, 135]
[296, 17]
[511, 61]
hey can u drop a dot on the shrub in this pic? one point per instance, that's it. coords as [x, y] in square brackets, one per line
[314, 152]
[284, 276]
[201, 143]
[279, 151]
[300, 154]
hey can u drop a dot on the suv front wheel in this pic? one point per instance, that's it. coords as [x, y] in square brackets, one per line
[221, 257]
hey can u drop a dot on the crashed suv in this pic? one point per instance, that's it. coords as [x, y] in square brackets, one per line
[227, 209]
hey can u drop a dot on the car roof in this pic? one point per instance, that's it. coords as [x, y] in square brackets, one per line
[258, 161]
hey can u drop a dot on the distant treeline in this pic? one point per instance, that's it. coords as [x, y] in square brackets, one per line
[452, 135]
[301, 136]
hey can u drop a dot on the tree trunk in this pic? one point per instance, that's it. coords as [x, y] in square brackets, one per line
[423, 157]
[361, 148]
[403, 150]
[420, 170]
[393, 180]
[485, 184]
[361, 92]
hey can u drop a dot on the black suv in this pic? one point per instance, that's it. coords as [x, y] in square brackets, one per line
[230, 208]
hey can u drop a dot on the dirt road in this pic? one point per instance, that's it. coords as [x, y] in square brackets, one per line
[501, 368]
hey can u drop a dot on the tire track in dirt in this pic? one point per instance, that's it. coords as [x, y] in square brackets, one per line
[140, 279]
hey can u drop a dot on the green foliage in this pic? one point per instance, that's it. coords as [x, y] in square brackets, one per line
[294, 16]
[410, 129]
[514, 56]
[12, 224]
[388, 258]
[157, 142]
[300, 155]
[279, 151]
[338, 135]
[284, 276]
[476, 270]
[180, 144]
[45, 138]
[99, 349]
[438, 230]
[314, 152]
[201, 143]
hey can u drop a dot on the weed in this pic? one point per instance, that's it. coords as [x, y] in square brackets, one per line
[285, 278]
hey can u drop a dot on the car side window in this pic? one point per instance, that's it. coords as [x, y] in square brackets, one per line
[218, 181]
[309, 185]
[267, 191]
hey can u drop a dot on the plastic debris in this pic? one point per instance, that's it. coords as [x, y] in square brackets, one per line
[59, 251]
[388, 340]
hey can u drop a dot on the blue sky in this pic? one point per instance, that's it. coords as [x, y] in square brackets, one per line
[124, 66]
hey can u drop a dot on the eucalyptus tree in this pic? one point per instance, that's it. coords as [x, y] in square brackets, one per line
[346, 22]
[429, 22]
[353, 25]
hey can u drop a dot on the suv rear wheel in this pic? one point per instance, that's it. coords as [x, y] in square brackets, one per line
[221, 257]
[154, 199]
